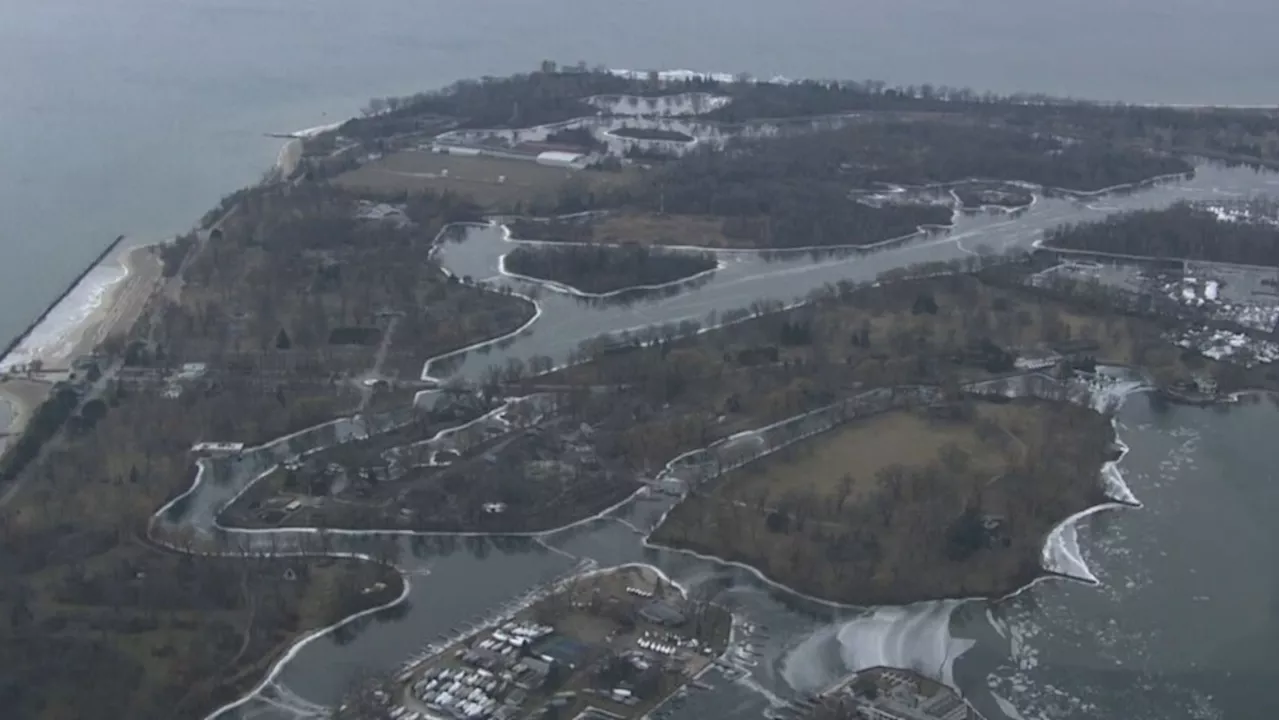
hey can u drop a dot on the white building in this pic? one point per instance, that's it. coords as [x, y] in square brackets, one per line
[557, 158]
[217, 448]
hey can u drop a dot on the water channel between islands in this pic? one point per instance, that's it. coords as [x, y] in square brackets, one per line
[453, 579]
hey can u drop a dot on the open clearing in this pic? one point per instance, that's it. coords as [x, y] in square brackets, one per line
[653, 229]
[492, 182]
[868, 513]
[863, 448]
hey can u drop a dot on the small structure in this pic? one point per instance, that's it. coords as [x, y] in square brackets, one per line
[661, 612]
[207, 449]
[559, 158]
[885, 694]
[192, 371]
[1205, 384]
[381, 212]
[671, 485]
[461, 150]
[82, 363]
[1036, 359]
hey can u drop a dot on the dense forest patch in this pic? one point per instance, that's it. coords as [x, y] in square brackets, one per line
[1185, 230]
[607, 268]
[258, 307]
[554, 93]
[794, 190]
[906, 505]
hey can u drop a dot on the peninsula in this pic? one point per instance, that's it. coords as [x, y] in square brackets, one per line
[911, 428]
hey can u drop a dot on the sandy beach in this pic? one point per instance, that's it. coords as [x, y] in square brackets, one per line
[125, 302]
[121, 307]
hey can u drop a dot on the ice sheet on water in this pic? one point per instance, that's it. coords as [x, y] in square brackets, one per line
[1062, 554]
[917, 637]
[1115, 487]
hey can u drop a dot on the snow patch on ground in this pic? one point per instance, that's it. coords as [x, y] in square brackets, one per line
[683, 75]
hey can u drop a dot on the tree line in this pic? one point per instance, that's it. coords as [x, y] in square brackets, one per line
[553, 94]
[795, 190]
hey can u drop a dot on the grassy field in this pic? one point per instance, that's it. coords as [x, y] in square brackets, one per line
[492, 182]
[864, 513]
[653, 229]
[899, 437]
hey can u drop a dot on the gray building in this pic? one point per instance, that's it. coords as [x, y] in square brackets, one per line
[661, 612]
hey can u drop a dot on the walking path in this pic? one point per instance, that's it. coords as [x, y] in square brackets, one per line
[369, 381]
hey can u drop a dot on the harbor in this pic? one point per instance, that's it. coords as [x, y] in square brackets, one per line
[613, 644]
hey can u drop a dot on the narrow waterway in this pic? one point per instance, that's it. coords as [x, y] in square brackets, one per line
[1056, 650]
[747, 277]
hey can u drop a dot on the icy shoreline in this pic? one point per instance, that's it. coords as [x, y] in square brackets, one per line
[918, 637]
[1060, 555]
[54, 339]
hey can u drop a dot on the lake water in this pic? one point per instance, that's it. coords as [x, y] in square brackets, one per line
[133, 117]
